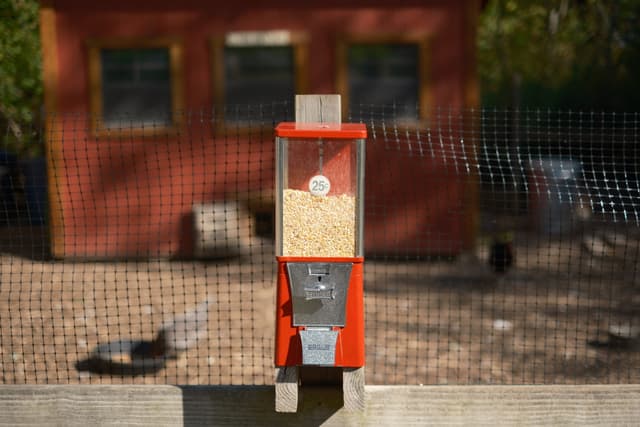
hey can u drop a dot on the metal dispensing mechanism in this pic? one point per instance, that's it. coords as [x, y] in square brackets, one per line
[319, 246]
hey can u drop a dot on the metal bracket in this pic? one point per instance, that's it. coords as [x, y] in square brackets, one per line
[319, 292]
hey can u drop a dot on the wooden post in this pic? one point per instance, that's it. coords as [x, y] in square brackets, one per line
[287, 389]
[318, 109]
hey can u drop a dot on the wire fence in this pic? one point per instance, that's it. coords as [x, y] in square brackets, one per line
[502, 247]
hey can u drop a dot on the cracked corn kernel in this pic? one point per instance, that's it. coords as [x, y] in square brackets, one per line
[318, 226]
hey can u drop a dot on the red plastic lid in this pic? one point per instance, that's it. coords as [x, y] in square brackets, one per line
[321, 130]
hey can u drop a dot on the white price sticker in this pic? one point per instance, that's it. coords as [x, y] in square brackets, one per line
[319, 185]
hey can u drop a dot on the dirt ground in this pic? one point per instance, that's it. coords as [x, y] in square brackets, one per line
[546, 321]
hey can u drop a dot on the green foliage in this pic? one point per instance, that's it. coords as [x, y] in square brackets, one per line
[21, 89]
[560, 53]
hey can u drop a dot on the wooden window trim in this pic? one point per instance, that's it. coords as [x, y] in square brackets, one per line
[299, 41]
[423, 43]
[95, 85]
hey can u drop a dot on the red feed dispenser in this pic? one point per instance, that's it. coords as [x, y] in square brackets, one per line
[319, 244]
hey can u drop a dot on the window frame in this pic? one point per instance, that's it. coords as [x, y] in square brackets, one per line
[422, 41]
[299, 42]
[175, 50]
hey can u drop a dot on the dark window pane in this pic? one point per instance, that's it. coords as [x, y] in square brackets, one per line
[257, 75]
[136, 87]
[382, 75]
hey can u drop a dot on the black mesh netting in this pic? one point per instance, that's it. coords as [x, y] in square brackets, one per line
[501, 247]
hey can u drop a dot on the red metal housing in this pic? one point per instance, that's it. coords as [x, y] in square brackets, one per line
[350, 343]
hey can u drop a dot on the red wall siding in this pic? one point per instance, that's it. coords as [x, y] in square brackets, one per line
[124, 197]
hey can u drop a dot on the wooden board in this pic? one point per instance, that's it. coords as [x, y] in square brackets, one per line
[286, 389]
[318, 109]
[151, 405]
[353, 389]
[309, 109]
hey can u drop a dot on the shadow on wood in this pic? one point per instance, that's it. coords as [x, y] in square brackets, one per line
[247, 404]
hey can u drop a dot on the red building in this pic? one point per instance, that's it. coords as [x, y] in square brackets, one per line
[125, 188]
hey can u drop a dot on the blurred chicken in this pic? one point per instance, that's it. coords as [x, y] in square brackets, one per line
[611, 245]
[501, 254]
[598, 246]
[182, 332]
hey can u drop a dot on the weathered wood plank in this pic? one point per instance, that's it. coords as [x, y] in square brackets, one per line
[286, 389]
[309, 109]
[153, 405]
[318, 109]
[353, 389]
[328, 109]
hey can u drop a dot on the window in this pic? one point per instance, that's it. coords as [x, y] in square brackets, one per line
[383, 73]
[258, 70]
[135, 86]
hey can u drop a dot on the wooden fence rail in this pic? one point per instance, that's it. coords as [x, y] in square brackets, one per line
[163, 405]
